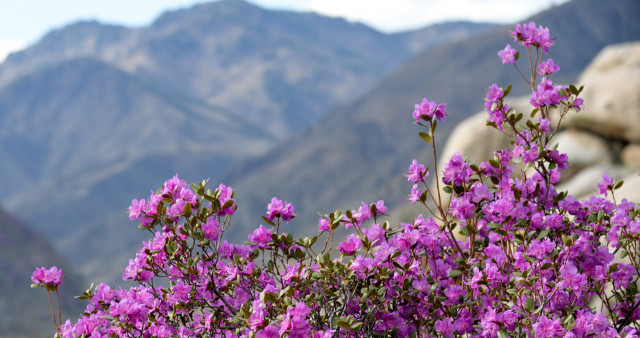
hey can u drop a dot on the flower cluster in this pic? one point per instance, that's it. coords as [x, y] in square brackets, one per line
[427, 110]
[43, 276]
[50, 279]
[530, 35]
[279, 209]
[499, 253]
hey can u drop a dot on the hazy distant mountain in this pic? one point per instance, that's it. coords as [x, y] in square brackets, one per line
[294, 65]
[84, 138]
[360, 151]
[94, 115]
[24, 312]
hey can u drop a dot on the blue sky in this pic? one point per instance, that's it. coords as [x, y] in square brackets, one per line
[23, 22]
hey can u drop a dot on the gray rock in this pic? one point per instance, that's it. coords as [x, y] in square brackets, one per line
[585, 183]
[584, 149]
[612, 99]
[631, 156]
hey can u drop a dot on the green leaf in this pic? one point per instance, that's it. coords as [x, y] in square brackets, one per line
[529, 304]
[187, 210]
[573, 90]
[543, 234]
[355, 326]
[508, 90]
[455, 273]
[343, 324]
[426, 137]
[501, 232]
[228, 204]
[518, 117]
[266, 220]
[618, 185]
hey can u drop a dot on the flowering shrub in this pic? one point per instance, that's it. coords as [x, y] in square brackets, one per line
[499, 253]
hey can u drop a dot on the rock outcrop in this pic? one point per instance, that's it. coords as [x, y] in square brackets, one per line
[602, 138]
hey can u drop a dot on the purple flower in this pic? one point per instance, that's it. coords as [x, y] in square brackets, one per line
[375, 234]
[279, 209]
[295, 321]
[386, 320]
[494, 94]
[268, 332]
[52, 276]
[456, 171]
[381, 209]
[324, 225]
[351, 245]
[546, 94]
[261, 236]
[293, 271]
[211, 229]
[226, 195]
[489, 323]
[417, 172]
[571, 278]
[426, 110]
[548, 67]
[363, 213]
[415, 194]
[606, 184]
[530, 35]
[136, 209]
[445, 327]
[545, 124]
[577, 103]
[225, 249]
[547, 328]
[173, 185]
[323, 334]
[623, 275]
[257, 316]
[461, 208]
[508, 55]
[477, 276]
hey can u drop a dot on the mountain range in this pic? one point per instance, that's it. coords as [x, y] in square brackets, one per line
[94, 115]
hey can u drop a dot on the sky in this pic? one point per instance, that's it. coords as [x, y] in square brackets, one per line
[24, 22]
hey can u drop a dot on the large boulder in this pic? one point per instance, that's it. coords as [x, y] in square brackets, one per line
[631, 156]
[611, 95]
[584, 150]
[602, 138]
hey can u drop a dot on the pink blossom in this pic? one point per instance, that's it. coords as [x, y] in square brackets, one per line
[508, 55]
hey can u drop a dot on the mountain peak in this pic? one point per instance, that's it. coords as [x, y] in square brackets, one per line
[205, 12]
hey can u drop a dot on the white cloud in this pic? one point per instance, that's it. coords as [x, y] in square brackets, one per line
[406, 14]
[8, 46]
